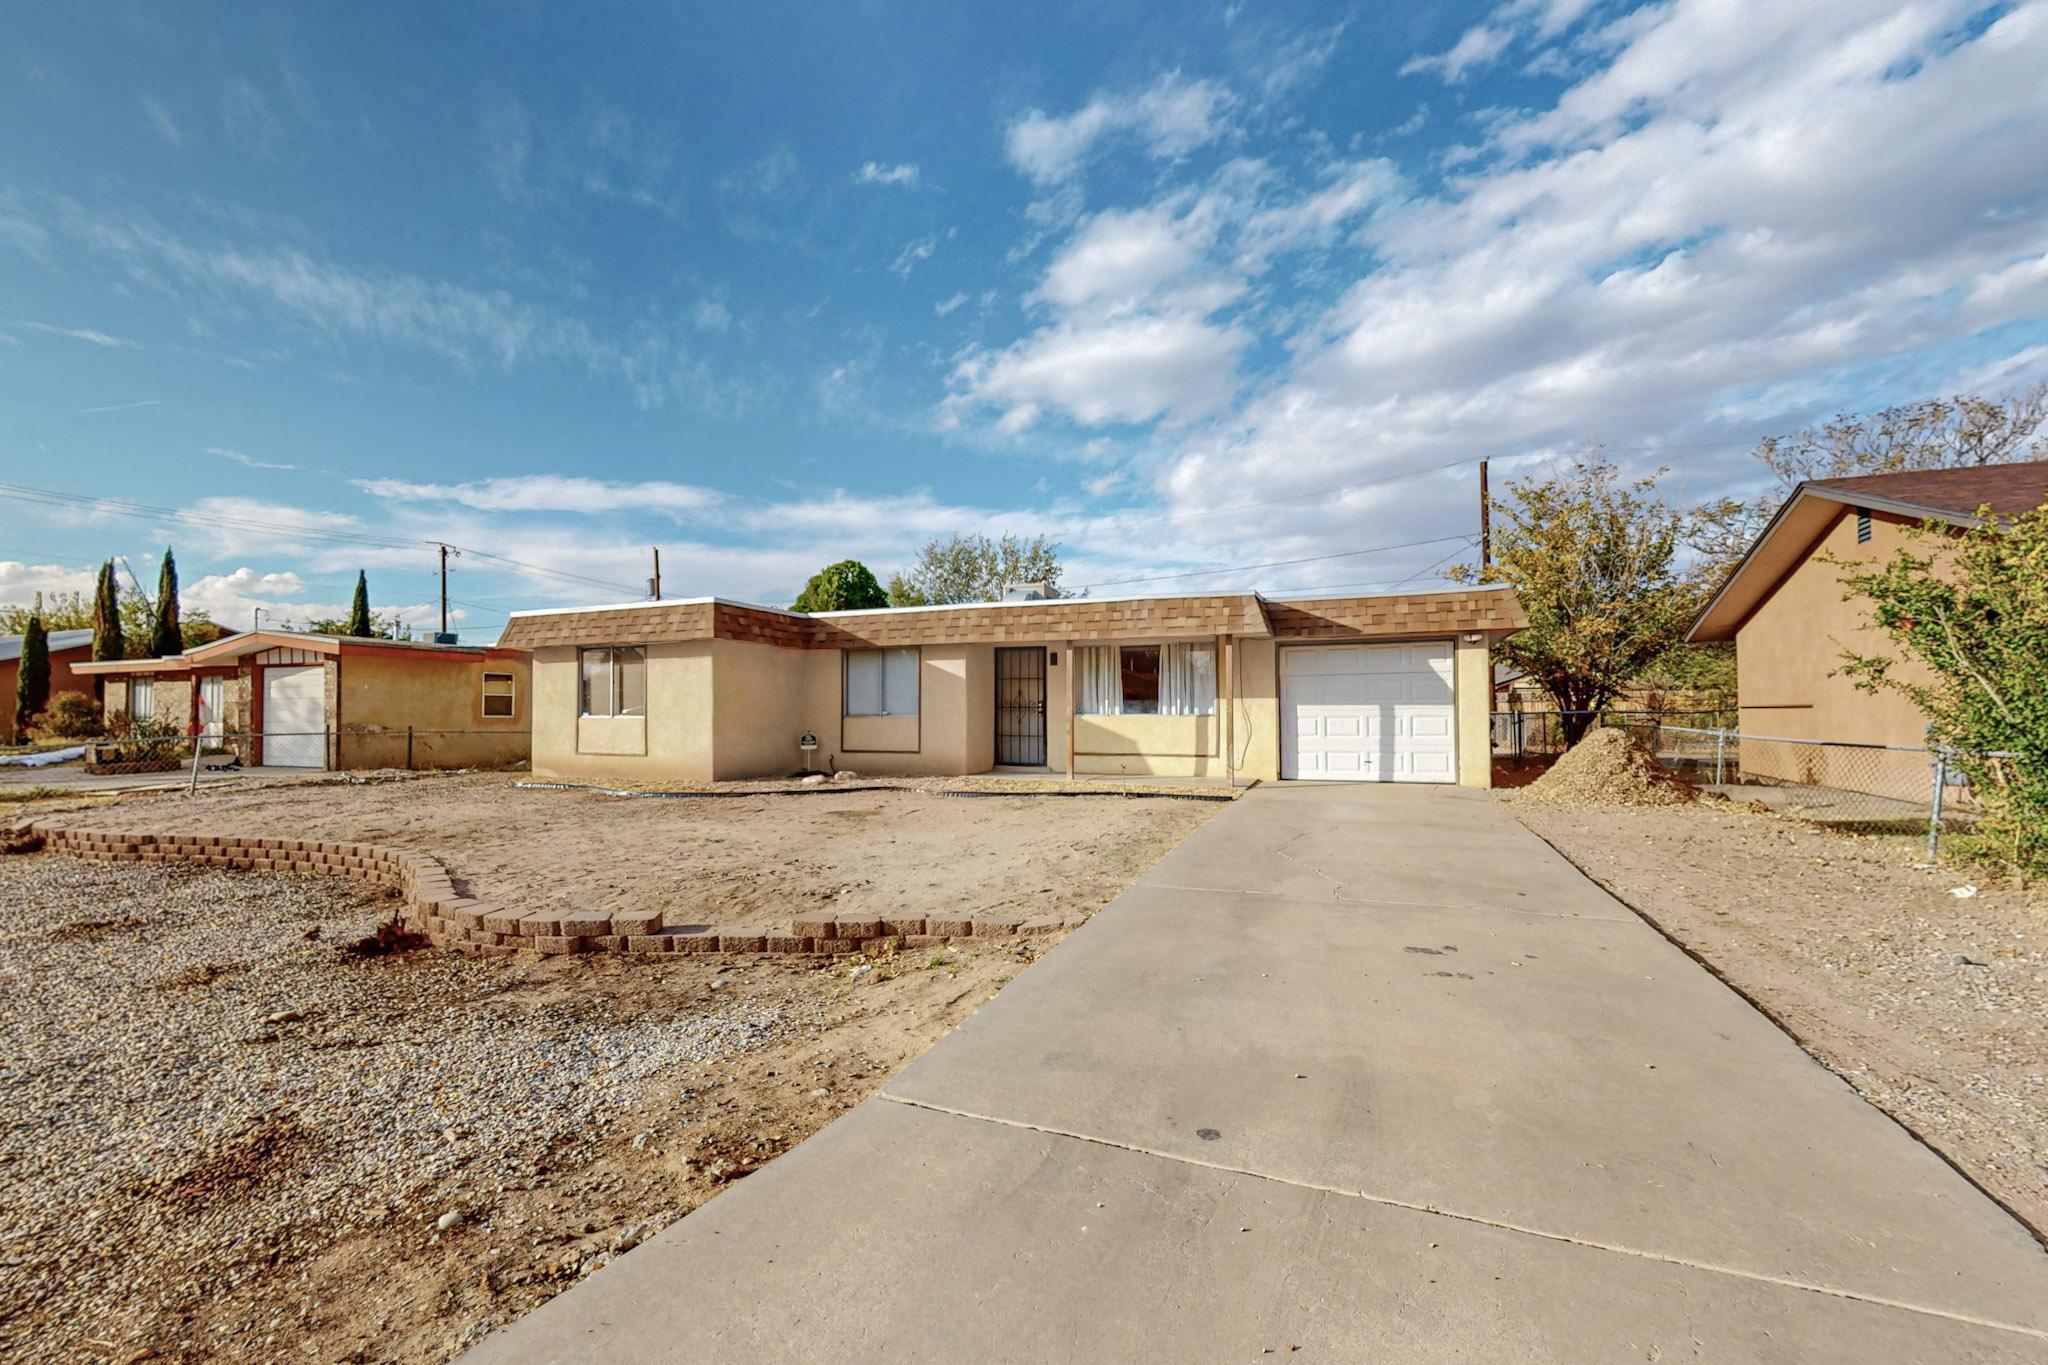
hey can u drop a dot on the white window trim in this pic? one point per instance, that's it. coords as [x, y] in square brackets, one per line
[512, 693]
[889, 707]
[1119, 646]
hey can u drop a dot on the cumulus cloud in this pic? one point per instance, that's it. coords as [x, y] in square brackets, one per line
[20, 582]
[1171, 118]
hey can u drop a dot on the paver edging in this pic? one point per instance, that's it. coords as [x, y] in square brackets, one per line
[433, 908]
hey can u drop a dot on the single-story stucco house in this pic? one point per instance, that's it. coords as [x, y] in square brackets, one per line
[1785, 609]
[282, 699]
[1216, 685]
[67, 647]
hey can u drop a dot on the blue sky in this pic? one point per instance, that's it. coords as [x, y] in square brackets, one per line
[1190, 287]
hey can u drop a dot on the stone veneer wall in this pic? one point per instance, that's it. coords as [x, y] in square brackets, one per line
[432, 906]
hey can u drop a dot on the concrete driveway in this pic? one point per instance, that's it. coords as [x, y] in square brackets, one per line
[1354, 1073]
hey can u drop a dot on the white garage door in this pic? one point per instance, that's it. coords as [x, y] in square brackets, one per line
[1368, 713]
[295, 717]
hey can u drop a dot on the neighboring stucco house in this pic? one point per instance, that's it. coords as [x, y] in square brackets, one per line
[1386, 688]
[286, 700]
[1784, 607]
[67, 647]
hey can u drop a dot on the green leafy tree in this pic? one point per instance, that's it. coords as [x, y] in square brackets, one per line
[359, 622]
[1933, 433]
[381, 627]
[1594, 560]
[168, 638]
[32, 677]
[848, 585]
[975, 569]
[1970, 607]
[108, 640]
[71, 611]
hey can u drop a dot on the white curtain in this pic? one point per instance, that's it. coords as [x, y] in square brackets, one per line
[1187, 680]
[1102, 683]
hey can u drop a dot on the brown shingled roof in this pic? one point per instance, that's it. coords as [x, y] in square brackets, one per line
[1431, 613]
[2008, 489]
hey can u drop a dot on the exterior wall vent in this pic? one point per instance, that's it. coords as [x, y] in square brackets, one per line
[1863, 526]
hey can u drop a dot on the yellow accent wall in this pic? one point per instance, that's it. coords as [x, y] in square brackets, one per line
[674, 738]
[1472, 687]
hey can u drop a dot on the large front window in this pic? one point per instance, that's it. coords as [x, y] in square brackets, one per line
[614, 682]
[881, 682]
[1147, 680]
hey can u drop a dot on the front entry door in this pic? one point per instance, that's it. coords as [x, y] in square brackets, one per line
[1020, 708]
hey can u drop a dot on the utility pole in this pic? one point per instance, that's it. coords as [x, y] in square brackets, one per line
[444, 589]
[654, 583]
[1485, 522]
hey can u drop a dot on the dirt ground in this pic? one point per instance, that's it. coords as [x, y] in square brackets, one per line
[751, 859]
[233, 1143]
[1934, 1007]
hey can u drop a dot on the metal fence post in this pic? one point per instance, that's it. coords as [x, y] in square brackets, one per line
[1720, 758]
[408, 747]
[1934, 805]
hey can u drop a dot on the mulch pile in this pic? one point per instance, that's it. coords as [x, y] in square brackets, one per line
[1606, 768]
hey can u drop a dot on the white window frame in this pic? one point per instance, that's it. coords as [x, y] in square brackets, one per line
[148, 686]
[616, 656]
[892, 703]
[510, 694]
[1119, 705]
[215, 726]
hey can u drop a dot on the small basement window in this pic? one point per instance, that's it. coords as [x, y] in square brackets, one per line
[881, 682]
[500, 698]
[1863, 526]
[614, 681]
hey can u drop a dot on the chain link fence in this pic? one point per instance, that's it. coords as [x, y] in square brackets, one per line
[144, 750]
[1897, 789]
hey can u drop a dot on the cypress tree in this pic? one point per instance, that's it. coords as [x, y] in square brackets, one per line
[32, 681]
[359, 611]
[107, 641]
[170, 639]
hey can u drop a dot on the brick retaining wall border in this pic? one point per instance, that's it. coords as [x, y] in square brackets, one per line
[433, 908]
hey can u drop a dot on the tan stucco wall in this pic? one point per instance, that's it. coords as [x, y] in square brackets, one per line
[761, 705]
[1786, 657]
[1257, 721]
[1472, 674]
[440, 698]
[674, 737]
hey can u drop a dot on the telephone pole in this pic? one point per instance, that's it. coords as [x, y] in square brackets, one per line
[654, 583]
[1485, 522]
[444, 589]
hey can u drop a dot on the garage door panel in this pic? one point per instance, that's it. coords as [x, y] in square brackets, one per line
[1368, 712]
[295, 717]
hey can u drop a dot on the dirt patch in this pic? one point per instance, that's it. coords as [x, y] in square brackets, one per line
[275, 1150]
[1935, 1007]
[747, 860]
[1606, 767]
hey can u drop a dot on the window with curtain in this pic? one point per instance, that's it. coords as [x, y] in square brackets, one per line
[141, 698]
[881, 682]
[1146, 680]
[614, 682]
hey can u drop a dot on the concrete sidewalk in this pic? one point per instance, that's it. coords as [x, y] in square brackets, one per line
[1366, 1071]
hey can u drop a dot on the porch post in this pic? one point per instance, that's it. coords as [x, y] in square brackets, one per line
[1226, 651]
[1073, 676]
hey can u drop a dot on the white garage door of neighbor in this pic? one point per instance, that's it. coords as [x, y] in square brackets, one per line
[1368, 713]
[295, 717]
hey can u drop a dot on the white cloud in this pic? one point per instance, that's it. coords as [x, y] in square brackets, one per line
[19, 582]
[1120, 370]
[945, 306]
[250, 461]
[549, 493]
[875, 173]
[97, 338]
[122, 407]
[711, 315]
[916, 253]
[1118, 259]
[1172, 118]
[1477, 46]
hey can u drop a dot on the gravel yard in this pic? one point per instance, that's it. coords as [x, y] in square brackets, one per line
[228, 1138]
[1935, 1007]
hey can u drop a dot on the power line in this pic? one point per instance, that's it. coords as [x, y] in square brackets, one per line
[1273, 564]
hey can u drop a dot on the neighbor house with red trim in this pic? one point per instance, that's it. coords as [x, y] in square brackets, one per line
[68, 648]
[281, 699]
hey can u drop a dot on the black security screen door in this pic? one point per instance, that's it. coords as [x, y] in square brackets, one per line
[1020, 707]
